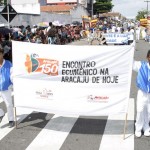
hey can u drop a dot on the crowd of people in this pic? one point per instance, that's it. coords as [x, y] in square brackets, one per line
[52, 34]
[61, 35]
[64, 34]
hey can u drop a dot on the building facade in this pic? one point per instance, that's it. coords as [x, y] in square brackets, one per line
[26, 6]
[27, 14]
[63, 2]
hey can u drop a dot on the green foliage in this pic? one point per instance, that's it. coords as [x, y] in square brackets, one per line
[3, 2]
[102, 6]
[141, 14]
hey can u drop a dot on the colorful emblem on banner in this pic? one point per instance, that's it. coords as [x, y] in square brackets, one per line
[46, 66]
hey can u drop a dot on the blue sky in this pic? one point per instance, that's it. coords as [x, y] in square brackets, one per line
[129, 8]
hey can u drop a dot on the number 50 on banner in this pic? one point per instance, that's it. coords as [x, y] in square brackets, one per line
[46, 66]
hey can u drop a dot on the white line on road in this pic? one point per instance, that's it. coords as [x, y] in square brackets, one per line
[54, 134]
[4, 128]
[113, 134]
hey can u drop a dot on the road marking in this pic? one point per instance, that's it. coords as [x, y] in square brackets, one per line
[58, 128]
[1, 100]
[54, 134]
[113, 134]
[4, 128]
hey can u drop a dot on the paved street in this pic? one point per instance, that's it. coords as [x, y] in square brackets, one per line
[38, 131]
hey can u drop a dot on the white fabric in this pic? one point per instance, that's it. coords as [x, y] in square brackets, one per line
[143, 105]
[138, 30]
[6, 95]
[45, 91]
[1, 112]
[143, 111]
[143, 34]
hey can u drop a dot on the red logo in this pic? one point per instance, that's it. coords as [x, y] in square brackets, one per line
[43, 65]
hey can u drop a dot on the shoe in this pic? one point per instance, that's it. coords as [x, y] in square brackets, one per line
[1, 117]
[146, 133]
[138, 134]
[11, 124]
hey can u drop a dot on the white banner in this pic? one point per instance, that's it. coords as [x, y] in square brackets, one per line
[116, 38]
[72, 80]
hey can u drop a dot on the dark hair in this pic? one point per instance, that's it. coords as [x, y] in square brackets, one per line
[50, 23]
[148, 53]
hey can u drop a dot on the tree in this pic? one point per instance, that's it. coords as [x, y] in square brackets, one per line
[141, 14]
[3, 2]
[102, 6]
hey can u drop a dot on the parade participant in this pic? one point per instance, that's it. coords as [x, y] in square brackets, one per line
[143, 96]
[102, 39]
[90, 37]
[138, 30]
[5, 87]
[130, 33]
[52, 35]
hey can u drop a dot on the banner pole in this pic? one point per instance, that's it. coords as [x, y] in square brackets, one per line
[125, 126]
[15, 117]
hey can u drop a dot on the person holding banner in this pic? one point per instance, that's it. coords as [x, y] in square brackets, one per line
[102, 39]
[5, 87]
[98, 35]
[143, 96]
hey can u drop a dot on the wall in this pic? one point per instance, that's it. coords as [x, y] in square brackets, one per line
[78, 12]
[23, 2]
[26, 6]
[26, 19]
[61, 1]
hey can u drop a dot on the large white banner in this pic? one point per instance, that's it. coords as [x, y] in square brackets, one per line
[72, 80]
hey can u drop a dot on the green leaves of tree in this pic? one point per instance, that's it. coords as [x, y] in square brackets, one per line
[102, 6]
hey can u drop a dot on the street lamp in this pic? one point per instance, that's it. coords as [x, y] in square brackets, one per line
[147, 6]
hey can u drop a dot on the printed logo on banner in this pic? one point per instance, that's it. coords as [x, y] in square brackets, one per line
[95, 98]
[44, 94]
[35, 64]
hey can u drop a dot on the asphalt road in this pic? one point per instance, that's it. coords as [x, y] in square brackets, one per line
[141, 48]
[51, 132]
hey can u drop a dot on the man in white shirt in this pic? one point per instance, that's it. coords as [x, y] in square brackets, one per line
[143, 96]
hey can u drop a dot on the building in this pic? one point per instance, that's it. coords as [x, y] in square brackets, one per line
[67, 2]
[75, 8]
[64, 2]
[26, 11]
[114, 15]
[31, 12]
[26, 6]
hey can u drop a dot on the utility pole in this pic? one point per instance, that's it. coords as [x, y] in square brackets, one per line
[147, 6]
[8, 13]
[92, 8]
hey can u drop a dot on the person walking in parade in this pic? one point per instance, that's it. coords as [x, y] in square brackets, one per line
[5, 87]
[143, 96]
